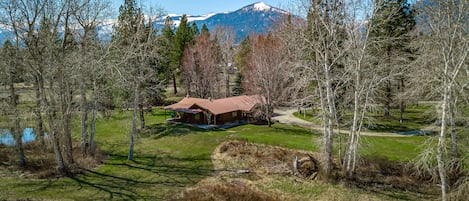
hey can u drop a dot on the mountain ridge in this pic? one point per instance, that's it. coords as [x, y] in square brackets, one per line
[255, 18]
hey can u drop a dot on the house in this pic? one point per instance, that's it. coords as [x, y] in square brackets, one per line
[237, 109]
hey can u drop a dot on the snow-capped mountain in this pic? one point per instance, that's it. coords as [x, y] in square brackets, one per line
[254, 18]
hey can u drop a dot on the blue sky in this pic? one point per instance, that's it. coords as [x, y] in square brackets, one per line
[200, 7]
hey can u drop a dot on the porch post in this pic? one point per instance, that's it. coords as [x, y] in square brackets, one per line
[215, 119]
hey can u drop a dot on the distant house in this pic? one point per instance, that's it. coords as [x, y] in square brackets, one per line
[238, 109]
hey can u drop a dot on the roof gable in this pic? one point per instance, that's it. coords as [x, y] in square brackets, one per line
[231, 104]
[219, 106]
[185, 103]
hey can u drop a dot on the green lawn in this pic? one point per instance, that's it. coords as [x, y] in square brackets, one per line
[415, 117]
[171, 158]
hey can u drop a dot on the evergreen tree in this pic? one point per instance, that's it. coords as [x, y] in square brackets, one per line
[204, 30]
[166, 42]
[131, 36]
[194, 31]
[244, 50]
[238, 88]
[184, 35]
[128, 21]
[393, 20]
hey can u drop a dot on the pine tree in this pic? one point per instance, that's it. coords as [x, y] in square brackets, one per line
[166, 42]
[243, 53]
[204, 30]
[194, 32]
[184, 35]
[130, 35]
[393, 20]
[128, 22]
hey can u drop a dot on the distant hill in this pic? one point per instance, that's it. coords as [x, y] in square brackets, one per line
[254, 18]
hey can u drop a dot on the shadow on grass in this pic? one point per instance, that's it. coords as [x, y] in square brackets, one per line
[294, 130]
[159, 130]
[165, 174]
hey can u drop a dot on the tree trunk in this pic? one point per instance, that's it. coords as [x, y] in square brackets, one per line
[351, 150]
[401, 101]
[387, 101]
[93, 119]
[454, 139]
[441, 145]
[58, 153]
[134, 122]
[37, 111]
[174, 84]
[51, 113]
[330, 130]
[269, 114]
[65, 102]
[84, 118]
[142, 116]
[227, 83]
[16, 131]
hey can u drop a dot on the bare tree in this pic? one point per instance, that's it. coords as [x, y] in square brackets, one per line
[200, 67]
[88, 15]
[363, 69]
[324, 38]
[444, 49]
[10, 66]
[41, 48]
[268, 74]
[225, 37]
[135, 37]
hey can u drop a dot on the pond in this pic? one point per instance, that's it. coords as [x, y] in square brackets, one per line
[6, 138]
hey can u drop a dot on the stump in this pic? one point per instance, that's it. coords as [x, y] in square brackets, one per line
[306, 167]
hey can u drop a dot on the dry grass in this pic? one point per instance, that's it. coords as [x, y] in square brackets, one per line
[380, 175]
[262, 159]
[271, 168]
[462, 189]
[214, 189]
[41, 164]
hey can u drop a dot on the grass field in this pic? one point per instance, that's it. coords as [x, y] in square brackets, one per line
[171, 158]
[415, 117]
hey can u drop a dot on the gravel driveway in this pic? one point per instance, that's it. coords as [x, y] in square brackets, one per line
[285, 116]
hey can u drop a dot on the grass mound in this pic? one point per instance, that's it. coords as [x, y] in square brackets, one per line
[259, 158]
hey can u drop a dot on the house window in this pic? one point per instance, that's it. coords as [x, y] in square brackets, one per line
[197, 116]
[234, 114]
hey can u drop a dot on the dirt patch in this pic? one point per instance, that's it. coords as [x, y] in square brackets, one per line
[240, 156]
[214, 189]
[41, 164]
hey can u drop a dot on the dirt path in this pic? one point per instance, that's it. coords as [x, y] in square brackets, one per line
[285, 116]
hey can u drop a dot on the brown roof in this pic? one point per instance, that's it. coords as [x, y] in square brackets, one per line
[184, 104]
[220, 106]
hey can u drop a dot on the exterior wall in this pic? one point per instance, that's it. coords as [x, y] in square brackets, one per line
[229, 118]
[201, 118]
[198, 118]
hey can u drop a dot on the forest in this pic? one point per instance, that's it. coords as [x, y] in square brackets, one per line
[343, 60]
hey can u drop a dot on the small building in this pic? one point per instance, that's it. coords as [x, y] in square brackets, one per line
[237, 109]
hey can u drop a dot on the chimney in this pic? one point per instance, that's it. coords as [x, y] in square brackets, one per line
[210, 99]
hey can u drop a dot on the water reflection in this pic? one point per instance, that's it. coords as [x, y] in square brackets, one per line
[6, 138]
